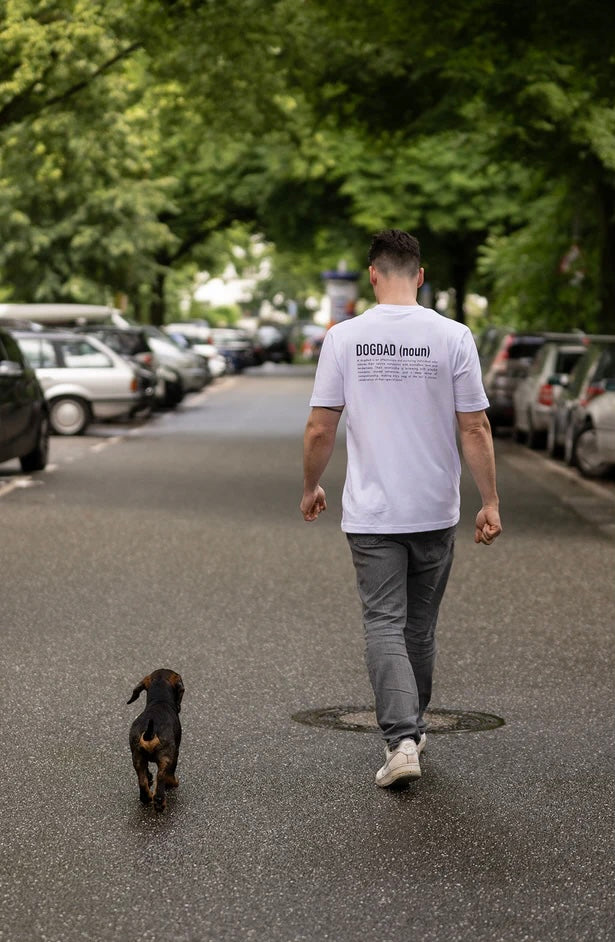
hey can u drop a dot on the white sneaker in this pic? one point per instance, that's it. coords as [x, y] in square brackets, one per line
[402, 764]
[421, 743]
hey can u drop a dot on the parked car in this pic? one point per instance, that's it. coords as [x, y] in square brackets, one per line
[196, 328]
[24, 415]
[132, 343]
[307, 339]
[236, 347]
[578, 422]
[594, 447]
[190, 369]
[83, 380]
[534, 396]
[272, 344]
[216, 363]
[505, 356]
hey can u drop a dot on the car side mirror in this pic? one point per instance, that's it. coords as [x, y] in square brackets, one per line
[10, 368]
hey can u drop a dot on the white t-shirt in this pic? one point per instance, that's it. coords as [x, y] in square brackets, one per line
[402, 373]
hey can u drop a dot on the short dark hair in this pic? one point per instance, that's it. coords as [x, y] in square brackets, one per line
[394, 251]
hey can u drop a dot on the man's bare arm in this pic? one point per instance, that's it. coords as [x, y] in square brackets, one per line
[318, 444]
[477, 447]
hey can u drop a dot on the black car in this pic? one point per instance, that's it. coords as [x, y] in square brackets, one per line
[272, 344]
[24, 417]
[236, 347]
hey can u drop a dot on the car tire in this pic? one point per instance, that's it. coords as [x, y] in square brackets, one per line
[36, 460]
[586, 453]
[69, 415]
[553, 449]
[173, 394]
[518, 434]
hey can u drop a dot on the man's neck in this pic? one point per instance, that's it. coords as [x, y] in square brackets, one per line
[403, 299]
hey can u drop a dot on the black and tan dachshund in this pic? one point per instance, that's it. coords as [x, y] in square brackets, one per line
[156, 734]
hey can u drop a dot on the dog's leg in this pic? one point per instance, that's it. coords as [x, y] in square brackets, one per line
[160, 793]
[171, 778]
[165, 779]
[144, 777]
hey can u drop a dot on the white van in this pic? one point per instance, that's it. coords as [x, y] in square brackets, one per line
[63, 315]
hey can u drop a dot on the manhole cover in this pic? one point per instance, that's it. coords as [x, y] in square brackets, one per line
[358, 719]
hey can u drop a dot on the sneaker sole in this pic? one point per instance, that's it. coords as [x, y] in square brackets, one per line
[398, 777]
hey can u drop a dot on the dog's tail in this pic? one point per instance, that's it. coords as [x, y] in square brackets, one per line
[149, 741]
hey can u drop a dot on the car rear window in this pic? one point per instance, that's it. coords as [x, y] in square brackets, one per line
[566, 362]
[606, 365]
[524, 349]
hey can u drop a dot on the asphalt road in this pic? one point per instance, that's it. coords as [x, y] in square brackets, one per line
[179, 544]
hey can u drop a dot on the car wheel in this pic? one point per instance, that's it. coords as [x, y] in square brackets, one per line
[518, 434]
[36, 460]
[570, 446]
[69, 415]
[587, 455]
[172, 394]
[553, 449]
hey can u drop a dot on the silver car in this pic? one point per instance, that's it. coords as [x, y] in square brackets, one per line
[535, 395]
[190, 369]
[595, 443]
[83, 380]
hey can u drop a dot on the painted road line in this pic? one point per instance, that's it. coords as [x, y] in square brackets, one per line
[100, 446]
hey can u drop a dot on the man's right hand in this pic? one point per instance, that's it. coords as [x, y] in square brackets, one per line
[488, 525]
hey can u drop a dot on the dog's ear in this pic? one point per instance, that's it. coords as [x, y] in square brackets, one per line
[136, 693]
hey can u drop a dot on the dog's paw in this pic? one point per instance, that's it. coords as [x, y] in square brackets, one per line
[145, 795]
[172, 782]
[159, 803]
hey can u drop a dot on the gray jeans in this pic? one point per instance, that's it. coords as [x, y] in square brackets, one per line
[401, 579]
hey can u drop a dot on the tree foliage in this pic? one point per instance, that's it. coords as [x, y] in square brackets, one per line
[135, 133]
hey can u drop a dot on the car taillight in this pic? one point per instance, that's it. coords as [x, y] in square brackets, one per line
[590, 393]
[134, 384]
[499, 361]
[545, 396]
[147, 358]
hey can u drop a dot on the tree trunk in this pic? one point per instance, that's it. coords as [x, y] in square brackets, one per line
[157, 307]
[461, 273]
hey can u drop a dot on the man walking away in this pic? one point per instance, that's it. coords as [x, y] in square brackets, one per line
[408, 378]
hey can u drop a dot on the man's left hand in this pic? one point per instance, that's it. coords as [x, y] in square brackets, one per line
[313, 503]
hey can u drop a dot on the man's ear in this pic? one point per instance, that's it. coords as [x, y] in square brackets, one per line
[373, 276]
[421, 278]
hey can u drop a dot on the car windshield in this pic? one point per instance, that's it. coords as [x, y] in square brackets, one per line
[180, 339]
